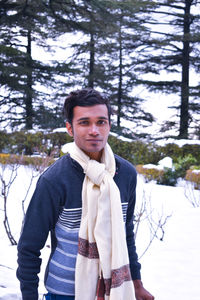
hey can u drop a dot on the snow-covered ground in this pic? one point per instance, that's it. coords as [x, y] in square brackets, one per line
[170, 268]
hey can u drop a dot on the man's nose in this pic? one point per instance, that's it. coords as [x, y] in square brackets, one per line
[94, 130]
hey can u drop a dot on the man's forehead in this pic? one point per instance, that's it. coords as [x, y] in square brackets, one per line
[94, 111]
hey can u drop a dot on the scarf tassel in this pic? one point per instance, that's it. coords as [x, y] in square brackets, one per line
[100, 288]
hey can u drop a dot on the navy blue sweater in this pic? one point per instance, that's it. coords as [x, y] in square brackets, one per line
[59, 187]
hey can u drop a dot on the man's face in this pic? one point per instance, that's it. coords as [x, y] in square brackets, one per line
[90, 129]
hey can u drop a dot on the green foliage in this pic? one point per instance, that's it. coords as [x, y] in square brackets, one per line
[17, 147]
[3, 140]
[169, 177]
[164, 177]
[137, 152]
[23, 142]
[47, 118]
[172, 150]
[193, 150]
[117, 51]
[25, 81]
[176, 152]
[183, 164]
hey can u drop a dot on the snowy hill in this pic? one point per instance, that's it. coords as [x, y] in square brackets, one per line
[170, 268]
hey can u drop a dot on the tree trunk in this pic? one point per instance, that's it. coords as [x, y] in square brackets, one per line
[119, 98]
[92, 54]
[28, 91]
[184, 113]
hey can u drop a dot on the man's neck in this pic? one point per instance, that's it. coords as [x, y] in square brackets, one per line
[94, 155]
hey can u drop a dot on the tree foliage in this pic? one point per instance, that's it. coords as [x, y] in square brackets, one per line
[23, 26]
[114, 46]
[174, 49]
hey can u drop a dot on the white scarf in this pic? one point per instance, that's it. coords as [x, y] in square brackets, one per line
[102, 241]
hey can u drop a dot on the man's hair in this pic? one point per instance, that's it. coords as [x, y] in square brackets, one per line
[84, 97]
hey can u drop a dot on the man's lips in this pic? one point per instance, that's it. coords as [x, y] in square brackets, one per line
[93, 140]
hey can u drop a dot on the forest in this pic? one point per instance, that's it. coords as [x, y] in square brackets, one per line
[118, 47]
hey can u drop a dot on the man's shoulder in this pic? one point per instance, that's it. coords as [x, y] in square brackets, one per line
[57, 168]
[125, 165]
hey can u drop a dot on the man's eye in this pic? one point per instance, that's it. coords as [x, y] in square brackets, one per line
[83, 122]
[101, 122]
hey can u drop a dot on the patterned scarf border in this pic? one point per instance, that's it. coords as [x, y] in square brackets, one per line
[87, 249]
[118, 277]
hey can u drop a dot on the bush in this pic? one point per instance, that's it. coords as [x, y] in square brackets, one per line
[183, 164]
[9, 159]
[3, 140]
[24, 142]
[150, 173]
[137, 152]
[171, 150]
[168, 176]
[193, 175]
[193, 150]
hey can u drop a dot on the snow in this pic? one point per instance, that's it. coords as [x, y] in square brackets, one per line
[196, 171]
[62, 129]
[166, 162]
[170, 268]
[120, 137]
[180, 143]
[152, 166]
[162, 142]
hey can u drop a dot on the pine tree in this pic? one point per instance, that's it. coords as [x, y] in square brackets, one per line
[175, 50]
[23, 25]
[124, 61]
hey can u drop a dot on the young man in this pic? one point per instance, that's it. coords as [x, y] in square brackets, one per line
[86, 201]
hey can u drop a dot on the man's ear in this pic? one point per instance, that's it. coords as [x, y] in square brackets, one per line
[69, 129]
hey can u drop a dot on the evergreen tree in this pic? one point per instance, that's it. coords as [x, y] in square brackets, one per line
[124, 61]
[175, 49]
[90, 19]
[23, 25]
[111, 32]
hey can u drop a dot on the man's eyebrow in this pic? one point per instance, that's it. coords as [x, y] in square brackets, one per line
[104, 118]
[87, 118]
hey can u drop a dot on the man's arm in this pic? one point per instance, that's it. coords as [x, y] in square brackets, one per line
[133, 257]
[40, 218]
[140, 292]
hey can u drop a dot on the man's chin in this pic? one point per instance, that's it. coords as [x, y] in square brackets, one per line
[94, 150]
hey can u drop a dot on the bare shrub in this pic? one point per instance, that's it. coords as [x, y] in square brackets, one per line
[8, 174]
[154, 219]
[192, 194]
